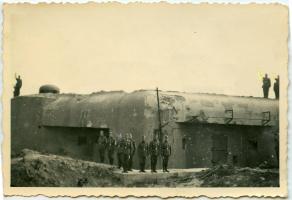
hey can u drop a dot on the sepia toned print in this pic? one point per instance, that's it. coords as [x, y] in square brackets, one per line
[145, 99]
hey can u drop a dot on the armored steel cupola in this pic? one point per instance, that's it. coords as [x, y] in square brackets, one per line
[49, 89]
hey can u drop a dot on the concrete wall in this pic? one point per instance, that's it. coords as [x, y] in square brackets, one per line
[241, 140]
[53, 123]
[26, 121]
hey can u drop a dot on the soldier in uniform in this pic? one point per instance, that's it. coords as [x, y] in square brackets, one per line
[166, 152]
[17, 86]
[133, 150]
[111, 144]
[126, 153]
[266, 85]
[142, 153]
[276, 87]
[102, 144]
[154, 152]
[119, 148]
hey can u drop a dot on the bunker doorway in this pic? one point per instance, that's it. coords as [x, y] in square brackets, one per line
[76, 142]
[219, 149]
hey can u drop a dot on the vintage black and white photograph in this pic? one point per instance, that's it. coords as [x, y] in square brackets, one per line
[145, 95]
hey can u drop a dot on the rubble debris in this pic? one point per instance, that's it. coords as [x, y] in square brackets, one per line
[229, 176]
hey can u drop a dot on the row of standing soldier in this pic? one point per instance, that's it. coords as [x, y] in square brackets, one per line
[267, 84]
[125, 148]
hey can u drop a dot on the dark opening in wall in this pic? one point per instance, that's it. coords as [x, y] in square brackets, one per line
[82, 140]
[253, 144]
[184, 142]
[235, 160]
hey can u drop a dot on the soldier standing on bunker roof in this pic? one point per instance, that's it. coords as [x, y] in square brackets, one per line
[133, 150]
[266, 85]
[142, 153]
[102, 143]
[154, 152]
[126, 153]
[111, 144]
[276, 87]
[120, 151]
[166, 152]
[17, 86]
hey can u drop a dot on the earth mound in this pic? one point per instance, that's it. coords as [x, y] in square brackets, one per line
[33, 169]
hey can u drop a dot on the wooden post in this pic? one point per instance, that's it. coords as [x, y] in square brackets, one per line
[159, 117]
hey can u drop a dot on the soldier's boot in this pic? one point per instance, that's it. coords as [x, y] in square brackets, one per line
[125, 170]
[128, 165]
[166, 169]
[154, 168]
[125, 165]
[111, 160]
[131, 163]
[143, 165]
[102, 158]
[166, 165]
[120, 161]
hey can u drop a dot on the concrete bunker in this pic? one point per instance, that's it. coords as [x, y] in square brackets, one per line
[203, 129]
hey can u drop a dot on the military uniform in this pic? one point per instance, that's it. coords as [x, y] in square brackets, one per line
[142, 154]
[276, 88]
[154, 152]
[111, 144]
[119, 148]
[126, 152]
[266, 86]
[102, 143]
[17, 87]
[133, 150]
[166, 152]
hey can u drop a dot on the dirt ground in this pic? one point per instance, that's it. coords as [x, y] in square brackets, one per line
[32, 169]
[227, 176]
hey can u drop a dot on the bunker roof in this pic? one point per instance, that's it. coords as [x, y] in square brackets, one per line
[94, 110]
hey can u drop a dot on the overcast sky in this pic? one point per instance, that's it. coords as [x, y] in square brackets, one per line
[192, 48]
